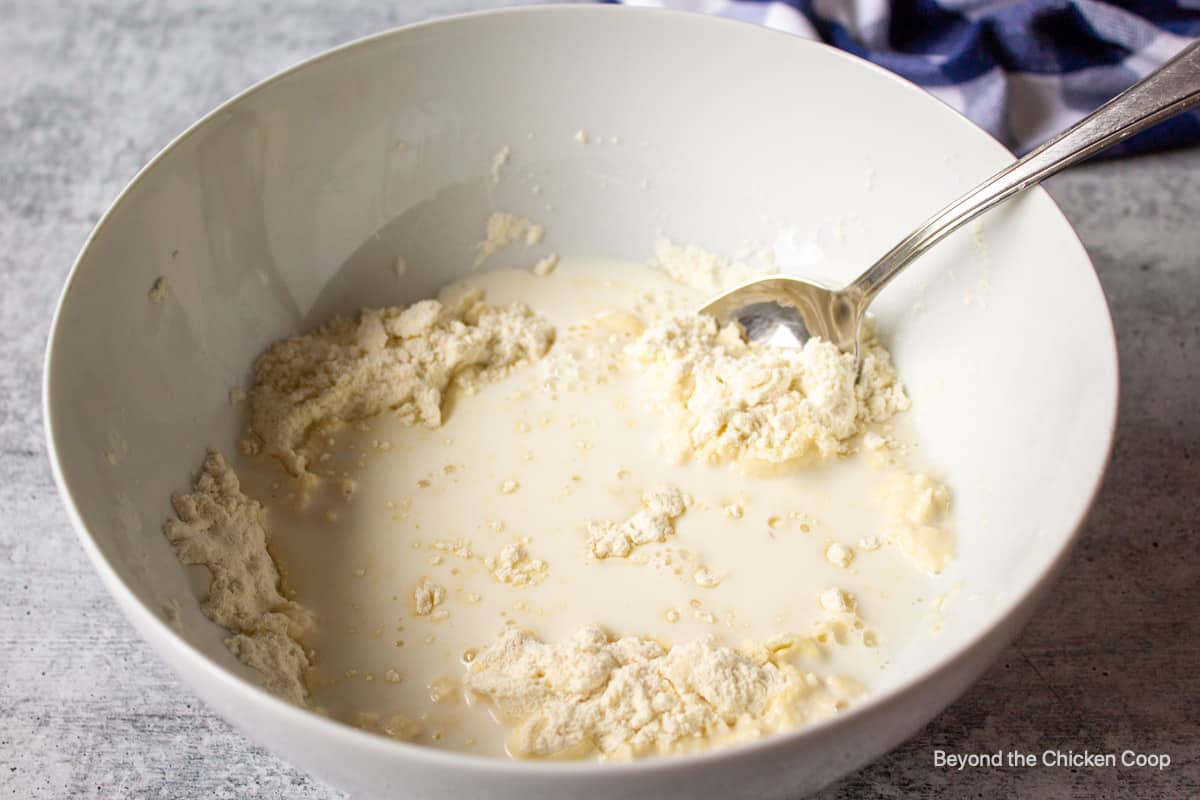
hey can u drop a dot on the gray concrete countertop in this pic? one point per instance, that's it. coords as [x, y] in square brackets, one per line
[89, 91]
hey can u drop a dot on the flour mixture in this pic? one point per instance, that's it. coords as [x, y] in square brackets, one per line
[555, 514]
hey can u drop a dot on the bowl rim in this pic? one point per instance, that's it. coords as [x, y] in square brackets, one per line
[243, 690]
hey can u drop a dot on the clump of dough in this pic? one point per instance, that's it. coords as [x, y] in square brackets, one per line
[916, 506]
[397, 726]
[460, 548]
[839, 555]
[427, 596]
[158, 290]
[837, 601]
[546, 266]
[499, 161]
[654, 522]
[621, 698]
[749, 402]
[514, 566]
[504, 228]
[398, 359]
[217, 526]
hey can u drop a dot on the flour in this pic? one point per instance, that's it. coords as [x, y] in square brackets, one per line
[504, 228]
[460, 548]
[837, 601]
[511, 565]
[621, 698]
[499, 161]
[546, 265]
[590, 352]
[841, 622]
[916, 506]
[396, 726]
[654, 522]
[698, 268]
[117, 448]
[748, 402]
[427, 596]
[395, 359]
[172, 609]
[219, 527]
[158, 291]
[514, 566]
[706, 578]
[515, 484]
[839, 555]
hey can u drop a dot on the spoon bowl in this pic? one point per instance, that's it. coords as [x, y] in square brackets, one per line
[787, 312]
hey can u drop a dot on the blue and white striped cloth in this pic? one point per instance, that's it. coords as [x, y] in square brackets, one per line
[1022, 69]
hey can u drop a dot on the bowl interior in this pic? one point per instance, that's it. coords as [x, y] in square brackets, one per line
[293, 202]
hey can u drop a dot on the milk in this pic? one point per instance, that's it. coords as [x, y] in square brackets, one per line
[580, 440]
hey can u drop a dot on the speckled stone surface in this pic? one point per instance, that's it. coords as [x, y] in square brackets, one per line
[89, 91]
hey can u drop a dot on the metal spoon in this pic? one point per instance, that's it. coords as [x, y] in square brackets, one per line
[789, 311]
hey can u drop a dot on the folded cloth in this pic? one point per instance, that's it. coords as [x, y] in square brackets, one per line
[1023, 70]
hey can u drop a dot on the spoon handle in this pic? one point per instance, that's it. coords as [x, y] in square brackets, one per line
[1169, 90]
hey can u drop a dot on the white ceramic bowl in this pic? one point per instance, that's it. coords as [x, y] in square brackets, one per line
[291, 201]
